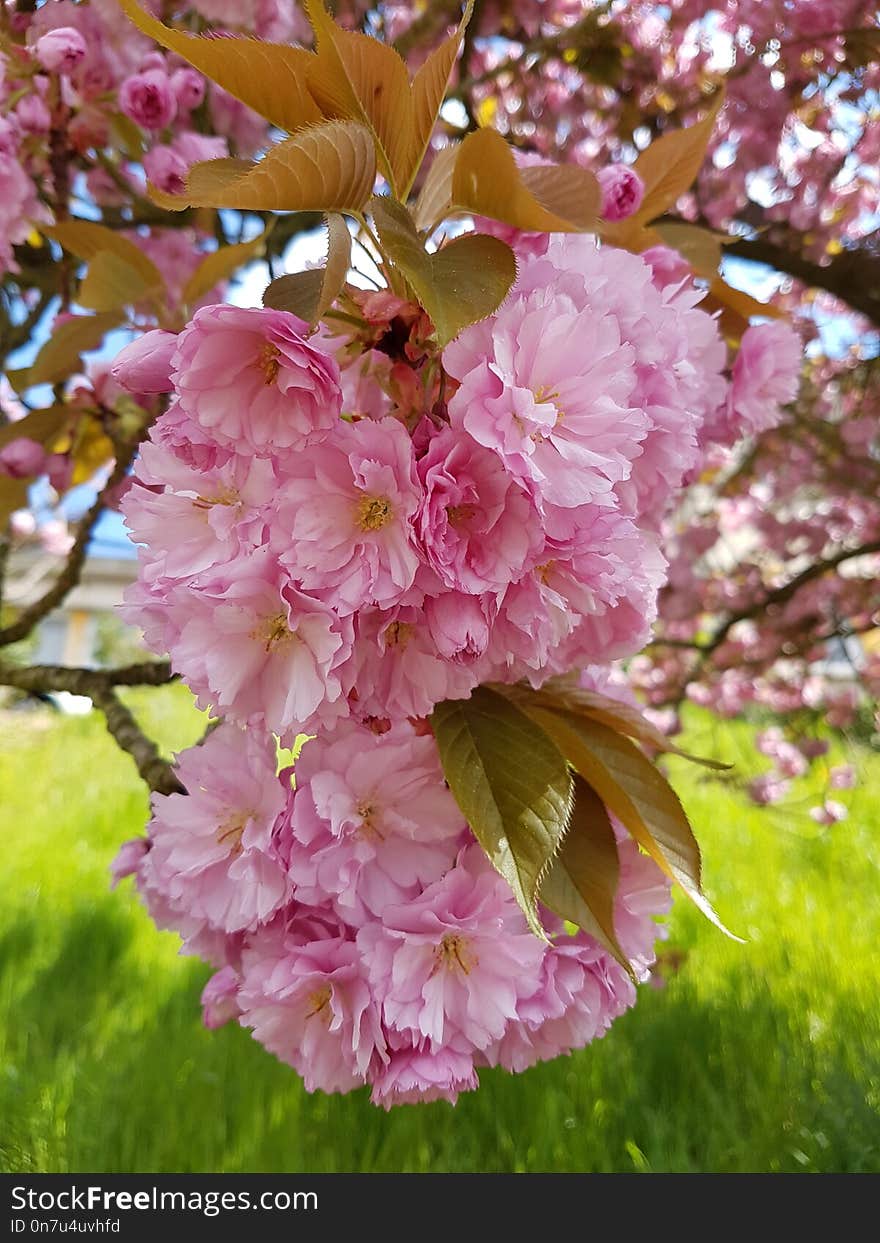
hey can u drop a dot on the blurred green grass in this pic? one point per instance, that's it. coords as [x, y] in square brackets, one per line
[756, 1057]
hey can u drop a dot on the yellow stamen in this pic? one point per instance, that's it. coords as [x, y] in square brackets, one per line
[454, 953]
[374, 512]
[267, 362]
[231, 831]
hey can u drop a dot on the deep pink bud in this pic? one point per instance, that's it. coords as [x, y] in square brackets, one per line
[22, 458]
[622, 191]
[147, 98]
[144, 366]
[61, 50]
[188, 87]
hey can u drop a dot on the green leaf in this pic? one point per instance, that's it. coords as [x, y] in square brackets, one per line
[581, 882]
[309, 294]
[112, 283]
[329, 167]
[549, 198]
[637, 793]
[87, 240]
[512, 784]
[60, 356]
[221, 264]
[271, 78]
[463, 282]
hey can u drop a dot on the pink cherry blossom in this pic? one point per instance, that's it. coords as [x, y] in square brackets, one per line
[61, 49]
[372, 820]
[250, 376]
[346, 515]
[455, 961]
[479, 529]
[148, 99]
[144, 366]
[304, 994]
[213, 854]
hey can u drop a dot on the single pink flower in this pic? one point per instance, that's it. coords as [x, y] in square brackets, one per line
[61, 50]
[766, 375]
[144, 366]
[22, 458]
[219, 999]
[346, 513]
[373, 821]
[455, 961]
[305, 996]
[250, 377]
[148, 99]
[213, 854]
[478, 527]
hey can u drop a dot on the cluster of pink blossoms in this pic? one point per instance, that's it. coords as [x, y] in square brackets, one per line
[313, 569]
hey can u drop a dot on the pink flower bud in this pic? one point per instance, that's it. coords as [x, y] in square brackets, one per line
[144, 366]
[61, 50]
[622, 191]
[219, 1003]
[188, 87]
[32, 115]
[22, 458]
[128, 859]
[147, 98]
[59, 468]
[166, 169]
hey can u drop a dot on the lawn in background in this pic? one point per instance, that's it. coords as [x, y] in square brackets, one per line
[755, 1057]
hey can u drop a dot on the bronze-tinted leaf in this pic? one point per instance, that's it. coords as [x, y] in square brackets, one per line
[553, 198]
[669, 167]
[86, 239]
[701, 248]
[356, 78]
[581, 883]
[268, 77]
[60, 356]
[559, 695]
[636, 792]
[112, 283]
[329, 167]
[435, 197]
[511, 783]
[220, 265]
[461, 283]
[428, 91]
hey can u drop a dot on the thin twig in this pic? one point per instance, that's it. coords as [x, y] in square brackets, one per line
[70, 575]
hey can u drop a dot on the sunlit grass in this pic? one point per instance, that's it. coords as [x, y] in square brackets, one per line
[757, 1057]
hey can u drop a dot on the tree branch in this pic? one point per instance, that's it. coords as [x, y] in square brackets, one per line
[156, 772]
[79, 681]
[852, 276]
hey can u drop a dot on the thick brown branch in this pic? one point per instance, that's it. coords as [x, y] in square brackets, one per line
[156, 772]
[852, 276]
[78, 681]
